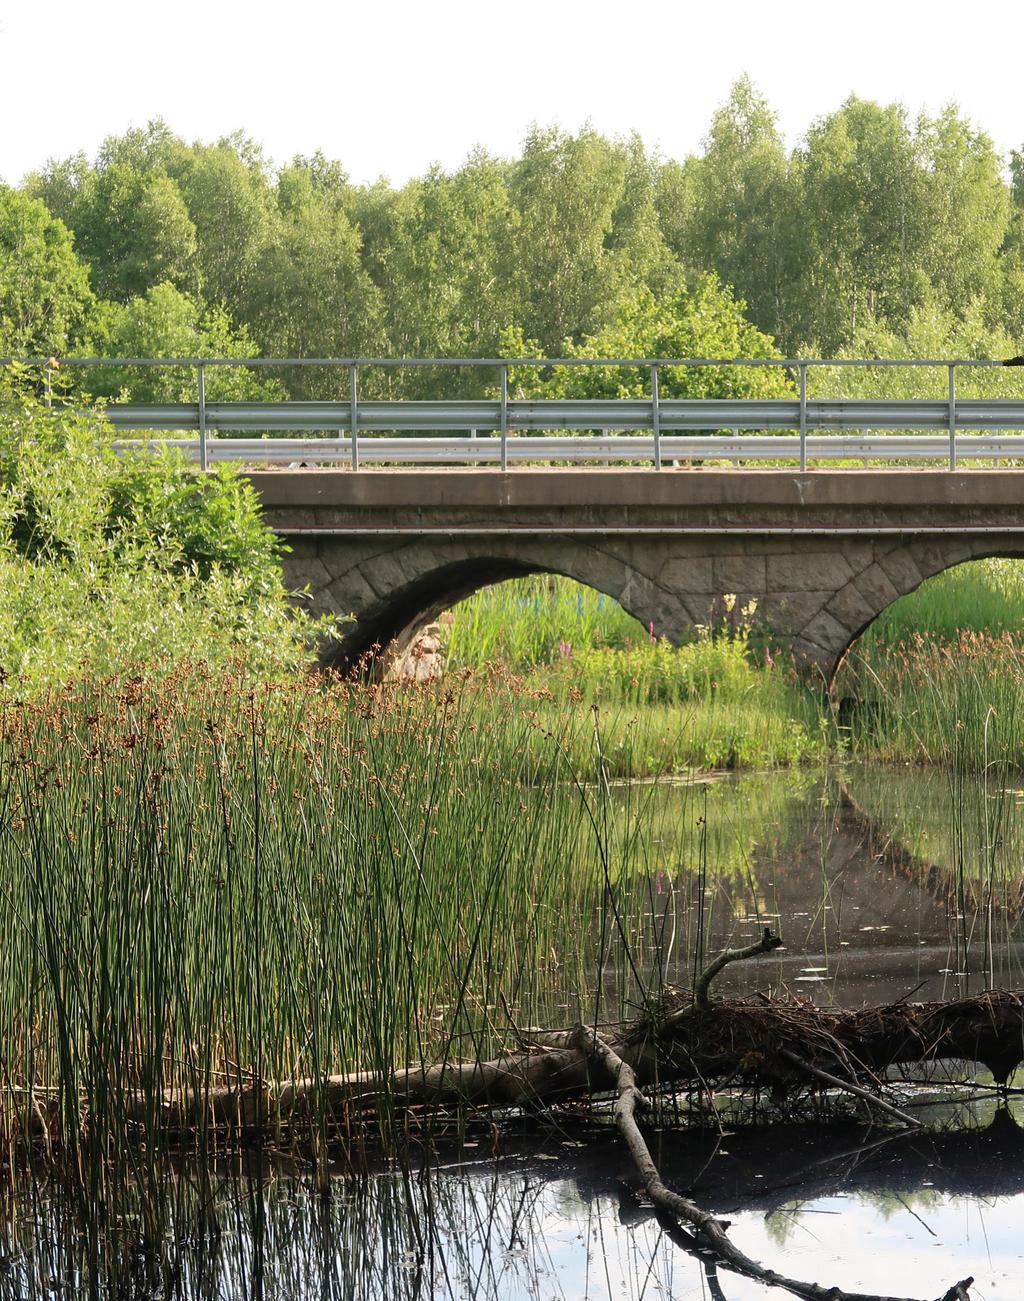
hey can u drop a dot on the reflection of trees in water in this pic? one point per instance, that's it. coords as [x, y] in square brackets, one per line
[502, 1230]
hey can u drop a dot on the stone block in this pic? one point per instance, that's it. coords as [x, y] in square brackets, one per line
[934, 554]
[700, 608]
[808, 572]
[859, 552]
[901, 569]
[739, 573]
[306, 571]
[386, 573]
[825, 631]
[852, 608]
[816, 664]
[672, 619]
[687, 574]
[349, 594]
[789, 612]
[642, 599]
[877, 589]
[333, 601]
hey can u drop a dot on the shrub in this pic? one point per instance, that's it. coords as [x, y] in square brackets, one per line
[109, 560]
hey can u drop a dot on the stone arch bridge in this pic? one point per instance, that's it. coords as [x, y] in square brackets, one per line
[821, 552]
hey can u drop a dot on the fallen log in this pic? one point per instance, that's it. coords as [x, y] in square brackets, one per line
[686, 1038]
[747, 1042]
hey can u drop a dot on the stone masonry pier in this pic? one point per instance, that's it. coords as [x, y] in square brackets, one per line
[822, 553]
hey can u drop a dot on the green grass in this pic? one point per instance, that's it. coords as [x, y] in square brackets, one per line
[533, 621]
[716, 702]
[985, 596]
[942, 671]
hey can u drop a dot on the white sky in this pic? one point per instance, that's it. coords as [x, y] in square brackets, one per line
[390, 88]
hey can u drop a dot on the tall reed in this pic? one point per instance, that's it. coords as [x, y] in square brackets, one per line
[207, 881]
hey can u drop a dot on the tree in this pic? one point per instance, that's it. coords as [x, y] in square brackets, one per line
[436, 251]
[309, 296]
[865, 206]
[44, 286]
[130, 220]
[931, 330]
[707, 322]
[969, 209]
[562, 258]
[230, 201]
[164, 322]
[734, 211]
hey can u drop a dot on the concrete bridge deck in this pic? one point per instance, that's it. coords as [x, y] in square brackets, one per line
[822, 553]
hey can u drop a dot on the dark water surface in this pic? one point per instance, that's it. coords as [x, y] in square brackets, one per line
[883, 883]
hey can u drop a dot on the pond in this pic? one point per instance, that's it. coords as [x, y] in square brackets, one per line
[885, 884]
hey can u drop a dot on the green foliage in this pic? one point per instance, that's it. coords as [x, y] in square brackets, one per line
[579, 243]
[309, 294]
[230, 200]
[130, 220]
[109, 561]
[570, 260]
[930, 331]
[164, 322]
[65, 621]
[707, 322]
[44, 287]
[865, 212]
[438, 253]
[655, 670]
[736, 208]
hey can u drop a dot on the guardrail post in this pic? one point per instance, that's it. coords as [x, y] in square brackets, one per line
[204, 457]
[803, 418]
[353, 415]
[952, 417]
[504, 417]
[656, 417]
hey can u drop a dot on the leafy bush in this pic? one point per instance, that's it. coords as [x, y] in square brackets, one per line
[108, 560]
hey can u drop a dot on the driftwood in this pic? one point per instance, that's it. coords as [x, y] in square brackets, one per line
[747, 1042]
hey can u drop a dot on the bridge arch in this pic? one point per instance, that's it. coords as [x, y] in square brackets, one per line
[901, 571]
[815, 590]
[392, 590]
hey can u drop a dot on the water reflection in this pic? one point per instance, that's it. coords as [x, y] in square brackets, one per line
[881, 882]
[556, 1216]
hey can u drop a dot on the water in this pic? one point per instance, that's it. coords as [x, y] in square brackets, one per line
[557, 1216]
[883, 883]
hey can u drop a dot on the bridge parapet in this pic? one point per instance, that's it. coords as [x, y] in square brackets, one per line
[517, 428]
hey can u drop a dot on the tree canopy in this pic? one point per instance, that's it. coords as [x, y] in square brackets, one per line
[579, 242]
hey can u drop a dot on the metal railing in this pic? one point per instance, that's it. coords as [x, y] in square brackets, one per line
[504, 430]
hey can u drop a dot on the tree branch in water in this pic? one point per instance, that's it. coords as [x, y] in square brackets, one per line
[711, 1232]
[765, 944]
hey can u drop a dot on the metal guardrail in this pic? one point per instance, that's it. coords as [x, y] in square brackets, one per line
[356, 431]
